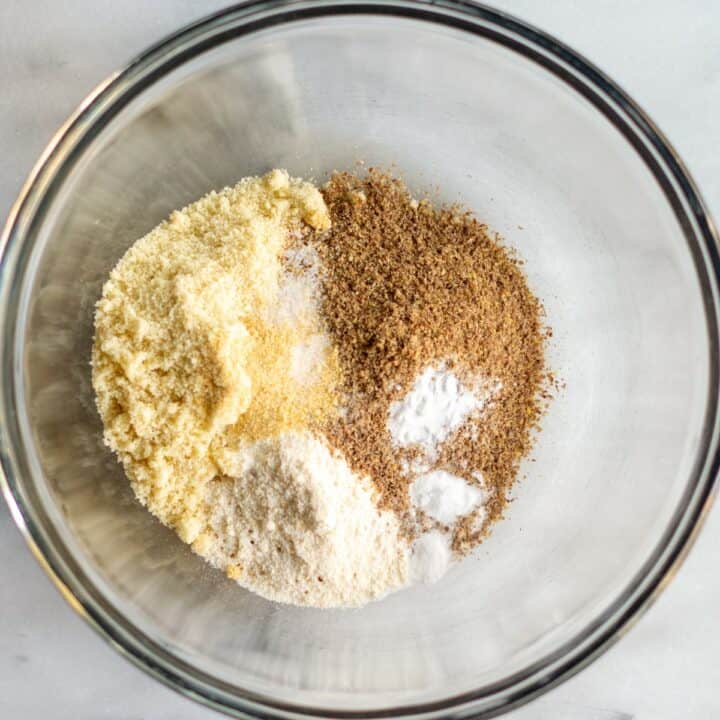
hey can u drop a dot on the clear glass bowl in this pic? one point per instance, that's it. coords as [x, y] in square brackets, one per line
[549, 153]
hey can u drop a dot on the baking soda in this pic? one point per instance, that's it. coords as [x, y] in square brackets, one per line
[430, 558]
[436, 405]
[444, 497]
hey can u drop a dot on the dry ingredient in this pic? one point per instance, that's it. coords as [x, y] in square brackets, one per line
[191, 357]
[326, 395]
[444, 497]
[412, 292]
[431, 557]
[297, 526]
[436, 405]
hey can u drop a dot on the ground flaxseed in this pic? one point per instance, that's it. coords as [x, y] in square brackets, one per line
[405, 285]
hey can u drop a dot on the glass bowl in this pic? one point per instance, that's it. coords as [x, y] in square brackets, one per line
[550, 153]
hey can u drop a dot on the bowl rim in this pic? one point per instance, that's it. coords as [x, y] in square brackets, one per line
[244, 19]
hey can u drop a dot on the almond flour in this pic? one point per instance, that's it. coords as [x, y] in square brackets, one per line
[186, 364]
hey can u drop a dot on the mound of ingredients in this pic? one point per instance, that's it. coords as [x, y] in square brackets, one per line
[326, 393]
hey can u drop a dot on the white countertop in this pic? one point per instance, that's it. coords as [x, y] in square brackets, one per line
[666, 54]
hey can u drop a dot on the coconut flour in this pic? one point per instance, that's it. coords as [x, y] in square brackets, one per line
[296, 525]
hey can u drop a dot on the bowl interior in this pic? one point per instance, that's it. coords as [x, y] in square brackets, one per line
[466, 119]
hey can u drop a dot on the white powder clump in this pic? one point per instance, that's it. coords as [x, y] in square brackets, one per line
[436, 405]
[443, 496]
[431, 557]
[297, 526]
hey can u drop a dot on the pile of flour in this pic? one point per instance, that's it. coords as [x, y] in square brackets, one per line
[213, 367]
[186, 362]
[295, 525]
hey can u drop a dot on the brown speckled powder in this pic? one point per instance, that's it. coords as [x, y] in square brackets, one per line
[407, 285]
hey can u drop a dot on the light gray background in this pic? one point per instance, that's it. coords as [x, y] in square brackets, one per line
[666, 54]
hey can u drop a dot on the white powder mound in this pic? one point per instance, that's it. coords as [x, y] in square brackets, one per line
[436, 405]
[297, 526]
[430, 558]
[443, 496]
